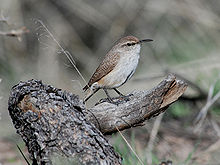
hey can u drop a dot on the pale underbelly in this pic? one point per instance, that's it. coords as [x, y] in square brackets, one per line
[114, 80]
[120, 74]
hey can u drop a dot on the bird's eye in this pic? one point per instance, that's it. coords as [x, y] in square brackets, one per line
[130, 44]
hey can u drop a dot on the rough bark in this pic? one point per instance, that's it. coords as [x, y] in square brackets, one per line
[142, 105]
[52, 122]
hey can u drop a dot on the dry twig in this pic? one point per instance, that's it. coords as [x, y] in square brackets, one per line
[16, 33]
[203, 112]
[3, 18]
[153, 136]
[142, 163]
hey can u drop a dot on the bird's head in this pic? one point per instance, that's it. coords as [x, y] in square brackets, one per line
[130, 44]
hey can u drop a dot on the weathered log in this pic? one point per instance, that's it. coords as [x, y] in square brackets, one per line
[52, 122]
[142, 105]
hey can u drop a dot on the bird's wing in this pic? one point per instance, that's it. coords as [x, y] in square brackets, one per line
[107, 65]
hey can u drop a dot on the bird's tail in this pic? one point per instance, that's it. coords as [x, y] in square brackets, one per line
[85, 88]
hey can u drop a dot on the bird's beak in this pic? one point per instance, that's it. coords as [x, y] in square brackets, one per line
[145, 40]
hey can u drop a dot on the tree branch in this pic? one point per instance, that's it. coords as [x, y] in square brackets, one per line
[142, 106]
[16, 33]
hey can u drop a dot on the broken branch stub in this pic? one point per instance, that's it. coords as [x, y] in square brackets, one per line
[142, 105]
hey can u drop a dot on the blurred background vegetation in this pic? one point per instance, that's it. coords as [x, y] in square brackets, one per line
[186, 42]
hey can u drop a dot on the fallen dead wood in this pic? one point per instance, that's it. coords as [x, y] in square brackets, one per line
[142, 105]
[55, 123]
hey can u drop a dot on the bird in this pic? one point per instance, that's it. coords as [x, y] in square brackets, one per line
[117, 67]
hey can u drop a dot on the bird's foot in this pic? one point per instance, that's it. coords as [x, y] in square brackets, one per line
[109, 100]
[125, 97]
[116, 100]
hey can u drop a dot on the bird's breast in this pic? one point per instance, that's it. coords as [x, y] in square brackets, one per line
[123, 71]
[127, 63]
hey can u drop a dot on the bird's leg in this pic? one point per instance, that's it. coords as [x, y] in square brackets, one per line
[90, 95]
[126, 98]
[118, 92]
[109, 98]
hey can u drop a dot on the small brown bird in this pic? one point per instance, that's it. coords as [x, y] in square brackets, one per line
[117, 67]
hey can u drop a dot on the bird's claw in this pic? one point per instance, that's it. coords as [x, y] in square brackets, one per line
[115, 100]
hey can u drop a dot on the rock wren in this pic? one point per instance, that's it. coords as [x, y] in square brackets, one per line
[117, 67]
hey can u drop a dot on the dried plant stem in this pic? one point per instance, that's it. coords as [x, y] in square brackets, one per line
[130, 146]
[153, 136]
[203, 113]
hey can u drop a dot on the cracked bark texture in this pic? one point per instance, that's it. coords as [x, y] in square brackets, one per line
[54, 123]
[142, 105]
